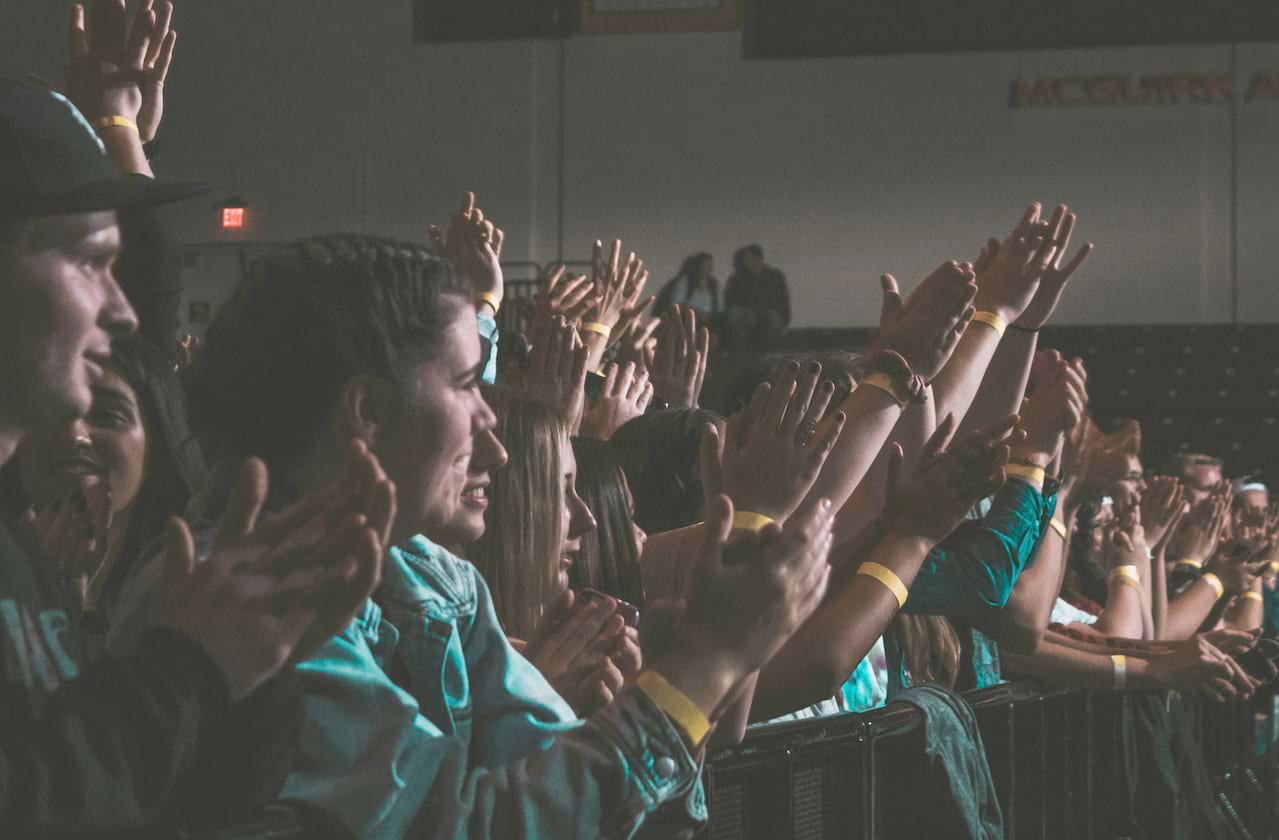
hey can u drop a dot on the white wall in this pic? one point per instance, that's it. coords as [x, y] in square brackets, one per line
[325, 116]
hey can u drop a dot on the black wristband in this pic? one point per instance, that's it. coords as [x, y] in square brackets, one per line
[1025, 329]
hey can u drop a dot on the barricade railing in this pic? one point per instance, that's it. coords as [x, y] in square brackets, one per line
[1057, 758]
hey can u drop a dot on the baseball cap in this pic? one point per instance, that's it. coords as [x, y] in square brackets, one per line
[52, 163]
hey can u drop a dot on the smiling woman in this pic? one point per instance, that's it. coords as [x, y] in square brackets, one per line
[131, 460]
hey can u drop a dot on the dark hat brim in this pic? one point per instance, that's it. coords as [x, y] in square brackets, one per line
[124, 192]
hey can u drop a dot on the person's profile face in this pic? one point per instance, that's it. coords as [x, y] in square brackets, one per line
[108, 444]
[60, 307]
[467, 523]
[426, 447]
[707, 267]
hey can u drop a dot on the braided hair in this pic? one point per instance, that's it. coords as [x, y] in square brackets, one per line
[306, 319]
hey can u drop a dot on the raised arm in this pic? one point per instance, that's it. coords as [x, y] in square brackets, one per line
[1005, 289]
[905, 357]
[870, 588]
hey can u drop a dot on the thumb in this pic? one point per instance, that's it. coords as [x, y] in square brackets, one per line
[892, 300]
[893, 476]
[245, 503]
[719, 524]
[711, 454]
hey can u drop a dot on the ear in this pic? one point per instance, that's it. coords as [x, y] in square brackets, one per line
[365, 405]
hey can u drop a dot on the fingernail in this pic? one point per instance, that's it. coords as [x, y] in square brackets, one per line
[828, 386]
[814, 367]
[792, 367]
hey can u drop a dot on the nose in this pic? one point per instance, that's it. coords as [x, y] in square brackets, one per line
[117, 317]
[490, 454]
[74, 434]
[581, 520]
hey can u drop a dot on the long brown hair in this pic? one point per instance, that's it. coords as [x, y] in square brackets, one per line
[519, 554]
[930, 647]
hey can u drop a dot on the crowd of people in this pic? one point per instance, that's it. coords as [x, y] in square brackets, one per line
[360, 564]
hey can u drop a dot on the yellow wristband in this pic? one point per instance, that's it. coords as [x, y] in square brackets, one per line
[114, 122]
[676, 705]
[1120, 663]
[991, 320]
[1060, 527]
[599, 329]
[1254, 596]
[1129, 571]
[747, 521]
[1215, 582]
[1191, 562]
[885, 383]
[889, 578]
[1025, 471]
[491, 299]
[1124, 580]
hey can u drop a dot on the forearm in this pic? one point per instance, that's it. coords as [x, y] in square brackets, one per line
[1059, 664]
[1004, 385]
[1246, 611]
[124, 148]
[956, 386]
[1122, 613]
[872, 415]
[1023, 620]
[1188, 611]
[1159, 595]
[817, 660]
[916, 426]
[596, 344]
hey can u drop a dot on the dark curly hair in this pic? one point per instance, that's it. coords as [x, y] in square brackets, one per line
[305, 319]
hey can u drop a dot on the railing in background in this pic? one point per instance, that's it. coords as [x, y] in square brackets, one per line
[1055, 757]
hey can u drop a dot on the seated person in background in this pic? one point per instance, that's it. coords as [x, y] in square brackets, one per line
[756, 302]
[695, 287]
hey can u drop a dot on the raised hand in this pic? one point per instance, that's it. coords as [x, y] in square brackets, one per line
[625, 396]
[557, 368]
[1054, 409]
[572, 647]
[1238, 563]
[272, 588]
[1201, 530]
[1013, 274]
[618, 285]
[1056, 275]
[747, 595]
[678, 365]
[772, 452]
[947, 480]
[118, 68]
[569, 297]
[1162, 506]
[74, 535]
[927, 327]
[473, 246]
[1127, 545]
[635, 342]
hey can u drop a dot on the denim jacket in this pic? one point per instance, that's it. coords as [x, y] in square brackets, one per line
[423, 721]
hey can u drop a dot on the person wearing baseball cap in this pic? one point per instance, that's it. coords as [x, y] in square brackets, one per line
[160, 732]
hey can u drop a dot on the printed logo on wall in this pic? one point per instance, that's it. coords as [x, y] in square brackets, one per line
[1214, 88]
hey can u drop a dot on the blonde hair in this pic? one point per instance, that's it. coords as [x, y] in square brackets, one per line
[930, 648]
[519, 554]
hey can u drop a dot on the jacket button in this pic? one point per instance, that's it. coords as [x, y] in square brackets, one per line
[665, 767]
